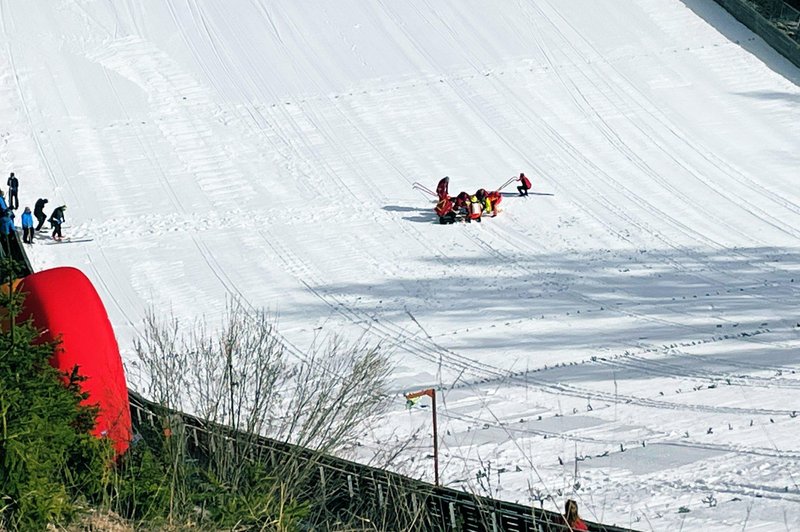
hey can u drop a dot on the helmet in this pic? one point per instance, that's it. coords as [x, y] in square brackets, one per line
[474, 198]
[521, 174]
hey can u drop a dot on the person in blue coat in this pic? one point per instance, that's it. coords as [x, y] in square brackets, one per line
[7, 222]
[27, 226]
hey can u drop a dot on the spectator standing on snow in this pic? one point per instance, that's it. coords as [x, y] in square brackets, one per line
[27, 226]
[7, 222]
[571, 517]
[38, 211]
[56, 220]
[13, 189]
[6, 228]
[6, 225]
[526, 184]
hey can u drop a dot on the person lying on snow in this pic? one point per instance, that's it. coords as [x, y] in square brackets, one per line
[445, 210]
[462, 200]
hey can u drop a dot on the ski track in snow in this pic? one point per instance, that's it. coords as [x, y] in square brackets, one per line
[628, 340]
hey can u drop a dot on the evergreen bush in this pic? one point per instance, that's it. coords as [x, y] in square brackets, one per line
[53, 471]
[48, 459]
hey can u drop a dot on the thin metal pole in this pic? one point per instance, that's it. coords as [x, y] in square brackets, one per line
[504, 185]
[435, 442]
[430, 392]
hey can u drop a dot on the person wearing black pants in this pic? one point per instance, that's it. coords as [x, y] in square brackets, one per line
[56, 219]
[13, 187]
[525, 186]
[38, 211]
[27, 226]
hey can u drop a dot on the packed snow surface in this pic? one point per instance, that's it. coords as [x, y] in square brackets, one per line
[627, 335]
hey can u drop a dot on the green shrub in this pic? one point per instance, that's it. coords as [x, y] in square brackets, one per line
[48, 459]
[52, 469]
[141, 486]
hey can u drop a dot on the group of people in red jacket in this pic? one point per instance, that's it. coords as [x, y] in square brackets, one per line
[472, 206]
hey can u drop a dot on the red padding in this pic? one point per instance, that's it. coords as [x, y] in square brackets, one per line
[63, 303]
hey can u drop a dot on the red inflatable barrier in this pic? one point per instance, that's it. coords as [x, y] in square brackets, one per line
[64, 303]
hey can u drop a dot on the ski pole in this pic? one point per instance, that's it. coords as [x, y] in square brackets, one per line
[506, 184]
[419, 186]
[423, 187]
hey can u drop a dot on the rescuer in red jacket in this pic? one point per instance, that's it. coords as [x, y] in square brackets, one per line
[494, 197]
[461, 200]
[445, 211]
[526, 184]
[441, 188]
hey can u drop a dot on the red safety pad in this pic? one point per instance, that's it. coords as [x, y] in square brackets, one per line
[65, 305]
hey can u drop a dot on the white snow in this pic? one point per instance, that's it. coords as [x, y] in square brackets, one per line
[636, 316]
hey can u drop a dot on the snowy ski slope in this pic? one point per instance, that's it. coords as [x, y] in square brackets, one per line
[627, 336]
